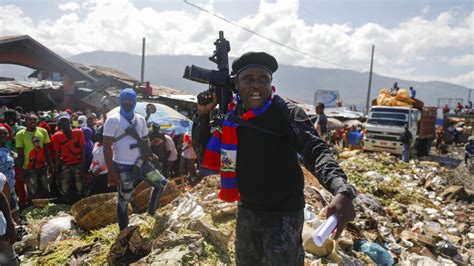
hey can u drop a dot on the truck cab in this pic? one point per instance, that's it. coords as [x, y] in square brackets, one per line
[385, 125]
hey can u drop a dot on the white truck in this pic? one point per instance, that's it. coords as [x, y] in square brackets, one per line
[385, 124]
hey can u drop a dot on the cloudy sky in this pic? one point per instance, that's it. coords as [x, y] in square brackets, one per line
[419, 40]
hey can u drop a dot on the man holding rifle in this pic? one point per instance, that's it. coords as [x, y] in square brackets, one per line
[128, 133]
[256, 151]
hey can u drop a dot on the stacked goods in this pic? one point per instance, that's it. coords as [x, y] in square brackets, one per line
[401, 98]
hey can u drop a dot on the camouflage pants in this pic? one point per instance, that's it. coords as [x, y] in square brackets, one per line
[71, 173]
[37, 182]
[269, 238]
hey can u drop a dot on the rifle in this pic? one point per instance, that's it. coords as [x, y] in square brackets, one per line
[220, 82]
[142, 145]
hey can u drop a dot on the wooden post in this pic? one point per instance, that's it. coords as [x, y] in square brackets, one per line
[370, 82]
[68, 92]
[143, 62]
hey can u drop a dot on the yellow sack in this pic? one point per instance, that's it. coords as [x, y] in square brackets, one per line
[402, 93]
[383, 95]
[403, 96]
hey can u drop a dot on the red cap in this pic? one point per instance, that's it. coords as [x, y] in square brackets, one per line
[10, 134]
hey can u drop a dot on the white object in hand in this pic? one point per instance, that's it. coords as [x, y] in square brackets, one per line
[324, 230]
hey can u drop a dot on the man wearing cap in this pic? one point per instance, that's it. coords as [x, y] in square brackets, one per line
[128, 133]
[256, 151]
[71, 155]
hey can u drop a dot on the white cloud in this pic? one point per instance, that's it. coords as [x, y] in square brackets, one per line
[119, 26]
[69, 6]
[465, 80]
[14, 22]
[465, 60]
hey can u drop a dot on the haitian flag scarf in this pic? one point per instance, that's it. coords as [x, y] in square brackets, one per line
[221, 150]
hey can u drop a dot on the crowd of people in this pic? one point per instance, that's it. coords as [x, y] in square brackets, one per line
[460, 109]
[347, 136]
[60, 155]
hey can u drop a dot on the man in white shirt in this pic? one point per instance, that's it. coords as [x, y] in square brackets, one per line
[129, 160]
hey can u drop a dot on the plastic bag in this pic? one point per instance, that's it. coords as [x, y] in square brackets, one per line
[376, 252]
[189, 207]
[51, 229]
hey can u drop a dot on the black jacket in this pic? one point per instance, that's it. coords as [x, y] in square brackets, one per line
[406, 137]
[268, 172]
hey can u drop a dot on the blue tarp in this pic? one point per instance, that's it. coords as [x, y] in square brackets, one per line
[170, 120]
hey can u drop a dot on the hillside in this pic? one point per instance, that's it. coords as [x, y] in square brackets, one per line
[292, 81]
[295, 82]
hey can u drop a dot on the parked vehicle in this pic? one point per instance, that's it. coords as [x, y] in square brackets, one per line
[385, 124]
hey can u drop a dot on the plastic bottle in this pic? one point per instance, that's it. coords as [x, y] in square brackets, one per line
[324, 230]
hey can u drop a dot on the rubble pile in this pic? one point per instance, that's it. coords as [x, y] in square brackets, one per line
[407, 213]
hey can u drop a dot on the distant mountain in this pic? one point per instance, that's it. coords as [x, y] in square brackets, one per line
[295, 82]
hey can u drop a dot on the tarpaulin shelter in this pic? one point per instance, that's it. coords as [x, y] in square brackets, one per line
[171, 121]
[185, 103]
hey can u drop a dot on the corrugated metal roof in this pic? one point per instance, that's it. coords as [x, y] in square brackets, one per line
[101, 71]
[18, 87]
[185, 97]
[45, 58]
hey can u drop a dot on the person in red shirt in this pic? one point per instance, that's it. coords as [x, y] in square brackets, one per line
[445, 109]
[70, 153]
[148, 90]
[459, 108]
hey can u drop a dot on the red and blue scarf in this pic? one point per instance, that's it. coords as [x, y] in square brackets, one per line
[221, 151]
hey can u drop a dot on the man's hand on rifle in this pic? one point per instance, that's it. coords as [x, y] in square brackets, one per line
[207, 108]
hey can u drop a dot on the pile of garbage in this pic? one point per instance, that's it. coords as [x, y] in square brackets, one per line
[412, 209]
[407, 213]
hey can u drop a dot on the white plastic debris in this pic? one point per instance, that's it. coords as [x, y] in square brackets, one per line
[189, 208]
[324, 230]
[53, 228]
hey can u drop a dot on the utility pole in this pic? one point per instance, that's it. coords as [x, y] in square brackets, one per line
[143, 61]
[370, 81]
[469, 95]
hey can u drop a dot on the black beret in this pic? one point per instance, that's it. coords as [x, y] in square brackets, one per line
[255, 59]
